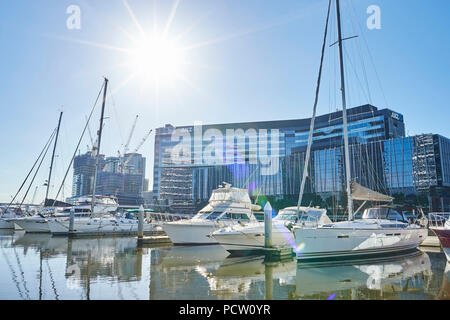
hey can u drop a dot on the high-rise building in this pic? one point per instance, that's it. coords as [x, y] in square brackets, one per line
[83, 174]
[122, 177]
[191, 161]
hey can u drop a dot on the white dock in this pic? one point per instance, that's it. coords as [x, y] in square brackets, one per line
[431, 241]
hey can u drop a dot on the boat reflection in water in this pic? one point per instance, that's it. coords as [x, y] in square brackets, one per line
[39, 266]
[236, 275]
[87, 264]
[444, 294]
[388, 279]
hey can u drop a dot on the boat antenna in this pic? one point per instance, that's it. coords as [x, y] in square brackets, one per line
[53, 158]
[98, 145]
[344, 115]
[313, 119]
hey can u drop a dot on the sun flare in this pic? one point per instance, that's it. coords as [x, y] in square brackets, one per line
[156, 58]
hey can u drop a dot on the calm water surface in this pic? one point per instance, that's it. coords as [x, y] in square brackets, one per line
[36, 266]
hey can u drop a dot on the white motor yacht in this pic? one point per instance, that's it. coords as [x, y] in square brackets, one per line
[249, 239]
[39, 223]
[102, 221]
[380, 231]
[102, 225]
[227, 206]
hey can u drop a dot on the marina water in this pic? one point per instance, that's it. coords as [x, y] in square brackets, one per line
[39, 266]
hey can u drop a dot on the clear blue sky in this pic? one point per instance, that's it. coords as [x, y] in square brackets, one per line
[249, 60]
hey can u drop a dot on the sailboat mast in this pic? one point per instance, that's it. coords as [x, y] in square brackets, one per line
[98, 145]
[53, 159]
[344, 115]
[313, 119]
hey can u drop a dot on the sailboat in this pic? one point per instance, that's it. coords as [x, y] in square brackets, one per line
[248, 239]
[380, 231]
[38, 223]
[99, 219]
[9, 218]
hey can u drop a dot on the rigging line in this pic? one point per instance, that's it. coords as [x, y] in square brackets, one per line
[347, 55]
[32, 168]
[36, 172]
[358, 46]
[13, 273]
[311, 131]
[52, 280]
[22, 274]
[78, 145]
[111, 94]
[53, 157]
[372, 61]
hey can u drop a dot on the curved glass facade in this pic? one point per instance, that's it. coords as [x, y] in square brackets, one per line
[268, 157]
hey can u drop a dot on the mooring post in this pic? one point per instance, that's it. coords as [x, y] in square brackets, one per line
[141, 224]
[268, 273]
[268, 225]
[72, 220]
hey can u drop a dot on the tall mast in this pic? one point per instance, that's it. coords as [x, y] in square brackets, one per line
[313, 119]
[53, 159]
[344, 115]
[98, 145]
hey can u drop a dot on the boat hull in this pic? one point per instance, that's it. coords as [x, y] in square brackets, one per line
[33, 225]
[190, 233]
[251, 240]
[324, 244]
[6, 224]
[95, 227]
[444, 237]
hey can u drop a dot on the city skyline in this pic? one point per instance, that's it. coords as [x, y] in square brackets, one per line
[259, 63]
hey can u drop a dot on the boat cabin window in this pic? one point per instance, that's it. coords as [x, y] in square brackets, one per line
[77, 210]
[383, 213]
[234, 216]
[287, 217]
[202, 215]
[240, 216]
[295, 216]
[213, 215]
[394, 215]
[226, 216]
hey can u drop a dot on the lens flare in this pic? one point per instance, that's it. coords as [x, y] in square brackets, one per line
[300, 247]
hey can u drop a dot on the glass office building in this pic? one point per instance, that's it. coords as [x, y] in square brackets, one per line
[268, 157]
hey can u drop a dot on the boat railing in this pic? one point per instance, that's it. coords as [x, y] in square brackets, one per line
[437, 220]
[165, 217]
[309, 221]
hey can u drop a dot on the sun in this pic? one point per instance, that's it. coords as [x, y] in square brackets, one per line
[155, 58]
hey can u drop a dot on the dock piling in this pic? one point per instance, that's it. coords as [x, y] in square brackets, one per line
[141, 223]
[268, 225]
[71, 221]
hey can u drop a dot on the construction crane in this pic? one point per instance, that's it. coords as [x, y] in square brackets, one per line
[136, 149]
[34, 195]
[126, 147]
[94, 145]
[90, 133]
